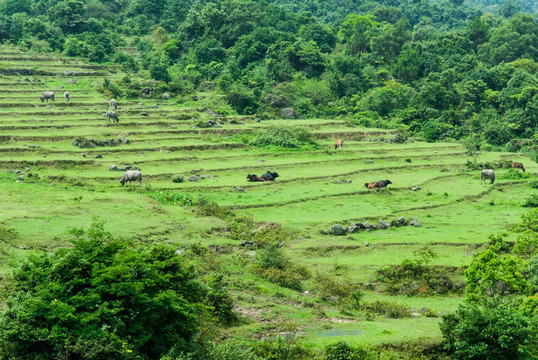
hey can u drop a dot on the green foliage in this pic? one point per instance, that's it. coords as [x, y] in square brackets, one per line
[493, 272]
[531, 201]
[172, 198]
[387, 308]
[526, 244]
[280, 349]
[233, 349]
[102, 298]
[272, 264]
[330, 285]
[494, 331]
[341, 350]
[159, 72]
[283, 137]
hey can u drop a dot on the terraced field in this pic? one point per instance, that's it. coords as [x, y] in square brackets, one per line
[60, 186]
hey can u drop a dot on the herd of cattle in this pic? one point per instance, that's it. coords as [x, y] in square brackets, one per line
[136, 175]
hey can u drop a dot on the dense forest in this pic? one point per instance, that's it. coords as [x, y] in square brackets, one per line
[447, 69]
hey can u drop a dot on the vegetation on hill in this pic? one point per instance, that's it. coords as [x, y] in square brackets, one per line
[441, 69]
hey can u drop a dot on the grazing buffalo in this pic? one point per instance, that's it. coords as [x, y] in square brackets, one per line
[518, 165]
[66, 96]
[111, 116]
[254, 178]
[377, 184]
[339, 144]
[487, 174]
[131, 175]
[113, 104]
[47, 95]
[270, 176]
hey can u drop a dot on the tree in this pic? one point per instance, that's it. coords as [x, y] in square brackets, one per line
[101, 299]
[159, 72]
[494, 331]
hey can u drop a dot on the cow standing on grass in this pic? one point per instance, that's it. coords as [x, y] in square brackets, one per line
[111, 116]
[339, 144]
[66, 96]
[131, 175]
[113, 104]
[47, 95]
[518, 165]
[487, 174]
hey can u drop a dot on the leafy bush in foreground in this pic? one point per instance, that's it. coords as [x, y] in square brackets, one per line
[101, 299]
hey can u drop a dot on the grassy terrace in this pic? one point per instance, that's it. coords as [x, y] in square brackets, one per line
[456, 211]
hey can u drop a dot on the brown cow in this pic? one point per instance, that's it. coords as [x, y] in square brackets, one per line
[377, 184]
[518, 165]
[253, 178]
[339, 144]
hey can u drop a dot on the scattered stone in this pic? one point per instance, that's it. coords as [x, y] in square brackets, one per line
[180, 250]
[92, 143]
[415, 188]
[280, 244]
[166, 95]
[342, 181]
[367, 244]
[27, 169]
[61, 87]
[246, 243]
[71, 81]
[400, 221]
[415, 223]
[98, 156]
[194, 178]
[240, 189]
[369, 162]
[382, 224]
[177, 178]
[20, 177]
[287, 113]
[276, 101]
[34, 146]
[338, 230]
[112, 168]
[211, 112]
[368, 226]
[250, 253]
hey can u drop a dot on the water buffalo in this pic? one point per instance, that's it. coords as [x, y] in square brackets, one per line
[131, 175]
[111, 116]
[66, 96]
[254, 178]
[113, 104]
[339, 144]
[47, 95]
[487, 174]
[377, 184]
[518, 165]
[270, 176]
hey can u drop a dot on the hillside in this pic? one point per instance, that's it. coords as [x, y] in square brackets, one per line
[51, 186]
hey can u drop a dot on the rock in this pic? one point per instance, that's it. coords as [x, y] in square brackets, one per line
[276, 101]
[400, 221]
[20, 177]
[287, 113]
[240, 189]
[367, 244]
[368, 226]
[211, 112]
[27, 169]
[415, 188]
[177, 178]
[98, 156]
[194, 178]
[166, 95]
[61, 87]
[71, 81]
[280, 244]
[414, 222]
[250, 253]
[121, 168]
[34, 146]
[246, 243]
[112, 168]
[382, 224]
[369, 162]
[338, 230]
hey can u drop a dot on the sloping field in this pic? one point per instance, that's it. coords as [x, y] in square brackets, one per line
[53, 186]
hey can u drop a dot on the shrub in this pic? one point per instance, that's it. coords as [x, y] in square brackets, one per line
[101, 298]
[331, 285]
[533, 183]
[272, 265]
[494, 331]
[531, 201]
[172, 198]
[515, 174]
[280, 349]
[233, 349]
[177, 178]
[283, 137]
[240, 227]
[389, 309]
[341, 350]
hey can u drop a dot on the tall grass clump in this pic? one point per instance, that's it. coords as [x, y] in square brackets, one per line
[273, 265]
[172, 198]
[284, 137]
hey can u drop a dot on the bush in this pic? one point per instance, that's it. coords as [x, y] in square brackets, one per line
[494, 331]
[533, 183]
[531, 201]
[172, 198]
[515, 174]
[389, 309]
[177, 178]
[240, 227]
[283, 137]
[341, 350]
[102, 298]
[232, 350]
[272, 265]
[280, 349]
[330, 285]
